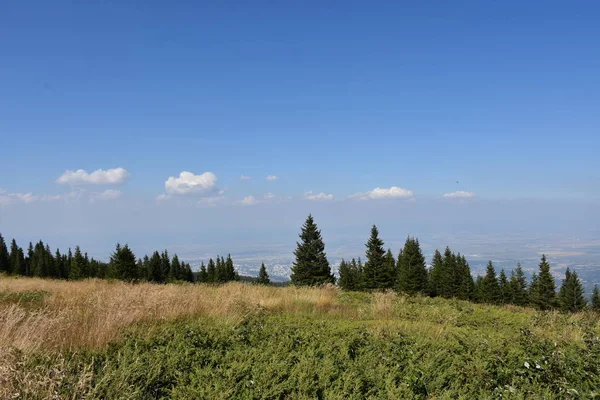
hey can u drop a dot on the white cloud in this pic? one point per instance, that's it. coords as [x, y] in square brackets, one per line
[248, 201]
[393, 192]
[461, 194]
[269, 196]
[162, 197]
[188, 182]
[110, 194]
[271, 178]
[98, 177]
[244, 178]
[13, 198]
[318, 196]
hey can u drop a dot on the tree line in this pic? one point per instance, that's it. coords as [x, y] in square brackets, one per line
[40, 261]
[449, 275]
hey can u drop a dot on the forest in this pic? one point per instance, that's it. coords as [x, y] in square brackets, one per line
[448, 275]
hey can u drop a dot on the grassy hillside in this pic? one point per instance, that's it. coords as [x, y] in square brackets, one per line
[97, 339]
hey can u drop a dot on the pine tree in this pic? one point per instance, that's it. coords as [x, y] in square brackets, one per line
[263, 276]
[436, 275]
[202, 275]
[189, 275]
[479, 290]
[376, 275]
[518, 287]
[504, 288]
[412, 269]
[4, 257]
[571, 295]
[533, 290]
[230, 272]
[466, 286]
[124, 263]
[165, 266]
[546, 288]
[311, 266]
[155, 267]
[30, 261]
[211, 271]
[77, 261]
[490, 288]
[389, 270]
[175, 272]
[17, 259]
[596, 299]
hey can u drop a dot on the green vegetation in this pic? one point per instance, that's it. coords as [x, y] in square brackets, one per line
[311, 266]
[359, 346]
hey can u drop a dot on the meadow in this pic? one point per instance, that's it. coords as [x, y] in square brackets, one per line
[101, 339]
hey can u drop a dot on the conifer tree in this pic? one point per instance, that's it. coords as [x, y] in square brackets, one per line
[175, 269]
[202, 275]
[479, 290]
[375, 273]
[30, 261]
[263, 276]
[230, 272]
[165, 266]
[466, 286]
[571, 295]
[490, 288]
[436, 275]
[155, 267]
[533, 290]
[17, 259]
[189, 275]
[77, 261]
[412, 270]
[450, 275]
[211, 271]
[311, 266]
[124, 263]
[344, 280]
[546, 288]
[4, 257]
[518, 287]
[596, 299]
[504, 288]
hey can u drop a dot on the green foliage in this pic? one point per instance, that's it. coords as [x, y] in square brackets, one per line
[436, 275]
[596, 299]
[311, 267]
[545, 288]
[518, 290]
[412, 269]
[350, 275]
[487, 353]
[263, 276]
[377, 272]
[5, 265]
[490, 286]
[504, 288]
[123, 263]
[571, 295]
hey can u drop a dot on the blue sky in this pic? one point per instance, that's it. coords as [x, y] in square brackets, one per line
[337, 98]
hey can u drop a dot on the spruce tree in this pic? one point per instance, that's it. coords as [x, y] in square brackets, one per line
[479, 290]
[571, 295]
[546, 288]
[311, 266]
[263, 276]
[124, 264]
[211, 271]
[412, 269]
[202, 275]
[504, 288]
[596, 299]
[518, 287]
[389, 270]
[17, 260]
[375, 274]
[490, 288]
[4, 257]
[189, 275]
[175, 270]
[466, 286]
[344, 280]
[230, 272]
[77, 261]
[533, 290]
[165, 266]
[436, 275]
[155, 267]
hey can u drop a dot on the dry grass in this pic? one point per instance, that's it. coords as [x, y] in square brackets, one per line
[91, 313]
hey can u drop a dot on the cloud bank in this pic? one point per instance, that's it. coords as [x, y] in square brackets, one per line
[392, 192]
